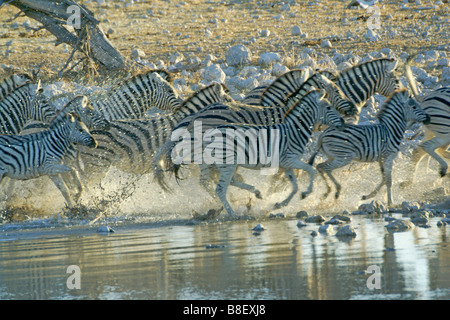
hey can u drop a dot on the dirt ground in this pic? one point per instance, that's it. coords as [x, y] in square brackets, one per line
[198, 28]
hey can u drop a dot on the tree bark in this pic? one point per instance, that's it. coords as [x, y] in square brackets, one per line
[89, 38]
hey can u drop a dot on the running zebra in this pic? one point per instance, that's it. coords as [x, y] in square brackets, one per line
[437, 133]
[285, 143]
[369, 143]
[135, 96]
[129, 145]
[361, 82]
[24, 103]
[41, 153]
[11, 83]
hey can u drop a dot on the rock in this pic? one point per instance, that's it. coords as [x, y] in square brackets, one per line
[277, 215]
[420, 218]
[214, 246]
[269, 58]
[334, 221]
[313, 233]
[445, 74]
[326, 228]
[176, 57]
[326, 44]
[296, 31]
[238, 55]
[410, 206]
[259, 228]
[264, 33]
[301, 224]
[342, 217]
[400, 225]
[301, 214]
[441, 223]
[346, 231]
[278, 69]
[213, 73]
[105, 229]
[137, 54]
[371, 35]
[443, 62]
[420, 74]
[315, 219]
[373, 207]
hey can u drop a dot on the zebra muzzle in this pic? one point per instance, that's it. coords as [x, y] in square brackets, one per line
[427, 119]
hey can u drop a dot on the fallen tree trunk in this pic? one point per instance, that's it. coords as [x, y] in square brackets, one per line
[87, 37]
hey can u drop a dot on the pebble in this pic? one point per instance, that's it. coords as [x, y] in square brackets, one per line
[445, 74]
[326, 44]
[214, 246]
[315, 219]
[313, 233]
[326, 228]
[213, 73]
[301, 224]
[269, 58]
[301, 214]
[258, 227]
[371, 35]
[295, 31]
[373, 207]
[400, 225]
[105, 229]
[346, 231]
[334, 221]
[410, 206]
[137, 53]
[277, 215]
[279, 69]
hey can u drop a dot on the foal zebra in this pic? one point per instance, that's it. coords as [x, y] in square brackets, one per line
[11, 83]
[25, 103]
[437, 133]
[132, 98]
[285, 142]
[41, 153]
[369, 143]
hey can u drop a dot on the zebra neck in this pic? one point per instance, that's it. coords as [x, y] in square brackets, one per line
[60, 139]
[300, 124]
[395, 127]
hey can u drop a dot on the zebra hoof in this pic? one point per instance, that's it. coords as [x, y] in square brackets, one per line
[258, 194]
[279, 205]
[443, 172]
[364, 198]
[336, 195]
[303, 195]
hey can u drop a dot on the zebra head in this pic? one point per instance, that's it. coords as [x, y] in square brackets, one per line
[82, 106]
[328, 115]
[163, 95]
[79, 133]
[389, 82]
[338, 99]
[41, 110]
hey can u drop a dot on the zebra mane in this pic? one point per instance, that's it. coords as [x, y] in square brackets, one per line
[163, 73]
[387, 102]
[381, 60]
[67, 109]
[211, 87]
[294, 74]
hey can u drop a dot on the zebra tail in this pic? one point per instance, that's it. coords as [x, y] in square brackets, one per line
[410, 76]
[162, 162]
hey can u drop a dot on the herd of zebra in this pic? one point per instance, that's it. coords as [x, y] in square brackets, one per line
[81, 141]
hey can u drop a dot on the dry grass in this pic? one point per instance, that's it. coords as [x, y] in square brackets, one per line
[163, 27]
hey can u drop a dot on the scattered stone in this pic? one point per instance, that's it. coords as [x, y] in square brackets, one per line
[346, 231]
[213, 73]
[343, 217]
[238, 55]
[301, 214]
[400, 225]
[277, 215]
[326, 228]
[301, 224]
[441, 223]
[410, 206]
[279, 69]
[259, 227]
[313, 233]
[326, 44]
[389, 219]
[264, 33]
[334, 221]
[137, 54]
[269, 58]
[176, 57]
[296, 31]
[371, 35]
[315, 219]
[420, 218]
[373, 207]
[105, 229]
[445, 74]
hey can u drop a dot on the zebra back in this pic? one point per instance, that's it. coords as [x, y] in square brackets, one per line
[276, 93]
[11, 83]
[132, 98]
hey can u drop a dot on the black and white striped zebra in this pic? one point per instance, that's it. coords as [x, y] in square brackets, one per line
[285, 143]
[129, 145]
[437, 133]
[41, 153]
[23, 104]
[11, 83]
[132, 98]
[369, 143]
[361, 82]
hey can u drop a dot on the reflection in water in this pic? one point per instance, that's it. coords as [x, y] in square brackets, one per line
[172, 262]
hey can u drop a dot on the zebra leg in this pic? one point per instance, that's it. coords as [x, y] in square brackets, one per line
[59, 183]
[226, 175]
[386, 170]
[377, 188]
[293, 179]
[206, 176]
[239, 184]
[327, 167]
[430, 147]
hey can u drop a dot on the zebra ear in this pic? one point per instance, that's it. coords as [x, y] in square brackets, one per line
[322, 94]
[84, 102]
[39, 88]
[392, 65]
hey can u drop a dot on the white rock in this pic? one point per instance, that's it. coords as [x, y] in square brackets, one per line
[105, 229]
[445, 74]
[326, 44]
[238, 55]
[213, 73]
[296, 31]
[259, 227]
[443, 62]
[410, 206]
[327, 228]
[269, 58]
[420, 74]
[176, 57]
[137, 53]
[371, 35]
[279, 69]
[264, 33]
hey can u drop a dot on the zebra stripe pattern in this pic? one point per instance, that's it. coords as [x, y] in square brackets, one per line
[370, 143]
[290, 142]
[134, 97]
[41, 153]
[23, 104]
[129, 145]
[11, 83]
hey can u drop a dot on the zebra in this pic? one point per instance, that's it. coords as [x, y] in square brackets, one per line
[25, 103]
[369, 143]
[11, 83]
[132, 98]
[288, 145]
[41, 153]
[359, 83]
[437, 133]
[129, 145]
